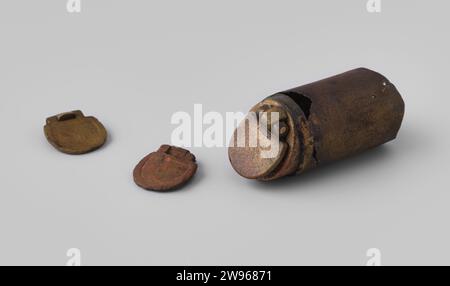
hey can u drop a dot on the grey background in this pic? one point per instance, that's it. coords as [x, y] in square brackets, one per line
[133, 64]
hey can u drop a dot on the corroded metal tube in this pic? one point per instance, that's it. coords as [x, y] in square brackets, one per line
[325, 121]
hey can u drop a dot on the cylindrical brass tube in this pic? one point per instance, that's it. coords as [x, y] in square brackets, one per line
[325, 121]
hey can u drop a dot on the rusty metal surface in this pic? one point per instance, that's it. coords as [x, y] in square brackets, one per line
[166, 169]
[326, 121]
[73, 133]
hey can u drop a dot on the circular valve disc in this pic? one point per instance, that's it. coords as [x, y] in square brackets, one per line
[166, 169]
[256, 156]
[73, 133]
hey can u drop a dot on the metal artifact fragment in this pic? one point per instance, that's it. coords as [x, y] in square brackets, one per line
[73, 133]
[166, 169]
[320, 122]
